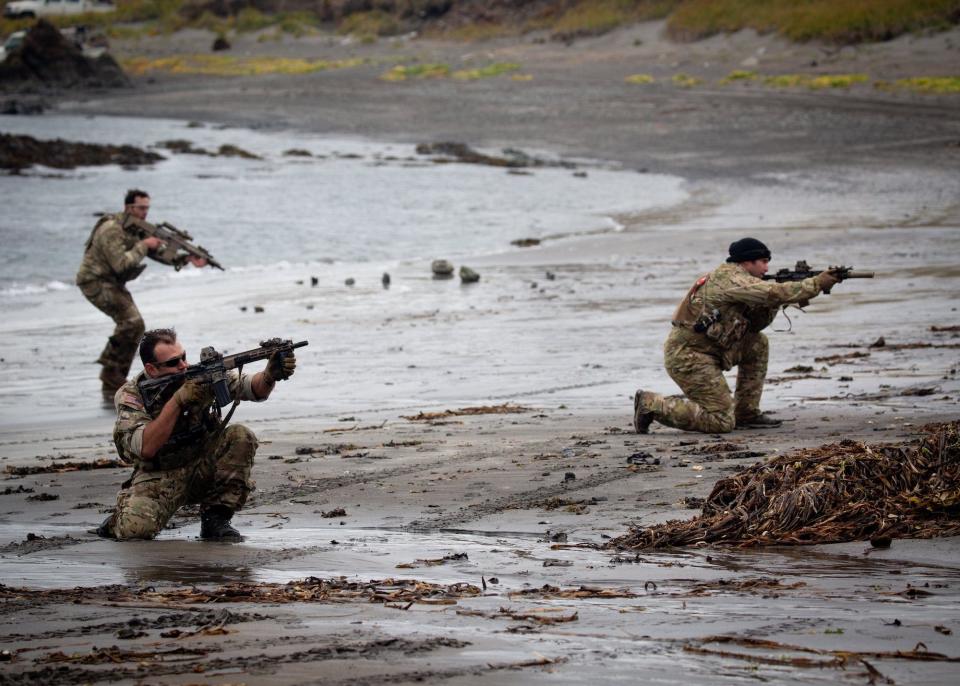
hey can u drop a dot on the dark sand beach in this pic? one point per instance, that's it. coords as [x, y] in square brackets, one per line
[467, 548]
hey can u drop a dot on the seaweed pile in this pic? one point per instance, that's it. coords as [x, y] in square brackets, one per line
[846, 491]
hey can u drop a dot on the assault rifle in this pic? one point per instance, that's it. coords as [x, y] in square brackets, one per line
[177, 247]
[803, 271]
[212, 369]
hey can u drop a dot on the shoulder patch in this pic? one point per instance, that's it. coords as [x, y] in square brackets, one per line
[131, 400]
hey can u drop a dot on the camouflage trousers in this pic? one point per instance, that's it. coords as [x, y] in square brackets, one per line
[219, 476]
[117, 303]
[708, 406]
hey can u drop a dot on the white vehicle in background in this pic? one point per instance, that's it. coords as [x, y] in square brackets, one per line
[14, 40]
[17, 9]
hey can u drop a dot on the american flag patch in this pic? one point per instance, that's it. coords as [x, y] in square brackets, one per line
[131, 400]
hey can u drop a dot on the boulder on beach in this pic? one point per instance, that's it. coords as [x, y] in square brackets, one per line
[46, 61]
[442, 269]
[467, 275]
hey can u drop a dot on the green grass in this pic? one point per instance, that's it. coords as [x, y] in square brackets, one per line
[835, 21]
[489, 71]
[815, 82]
[403, 72]
[924, 84]
[229, 65]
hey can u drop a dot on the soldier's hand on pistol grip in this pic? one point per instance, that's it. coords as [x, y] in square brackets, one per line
[152, 242]
[827, 280]
[281, 366]
[193, 394]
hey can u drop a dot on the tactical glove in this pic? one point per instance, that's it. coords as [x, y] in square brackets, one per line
[827, 280]
[193, 394]
[281, 366]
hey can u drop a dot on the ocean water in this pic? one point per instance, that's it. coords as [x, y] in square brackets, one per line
[354, 201]
[354, 210]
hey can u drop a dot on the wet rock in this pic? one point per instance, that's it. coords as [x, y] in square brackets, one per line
[846, 378]
[258, 308]
[297, 152]
[350, 281]
[569, 476]
[314, 281]
[799, 369]
[467, 275]
[442, 269]
[46, 61]
[550, 276]
[881, 542]
[243, 308]
[182, 146]
[22, 152]
[879, 343]
[233, 151]
[580, 174]
[461, 152]
[26, 106]
[385, 280]
[42, 497]
[525, 242]
[220, 43]
[337, 512]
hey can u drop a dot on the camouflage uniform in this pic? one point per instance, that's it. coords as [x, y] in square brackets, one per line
[198, 464]
[743, 306]
[113, 256]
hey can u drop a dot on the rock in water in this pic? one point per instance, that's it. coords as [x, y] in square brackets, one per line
[220, 43]
[46, 61]
[467, 275]
[385, 280]
[442, 269]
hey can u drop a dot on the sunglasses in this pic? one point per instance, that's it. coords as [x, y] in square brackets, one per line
[172, 362]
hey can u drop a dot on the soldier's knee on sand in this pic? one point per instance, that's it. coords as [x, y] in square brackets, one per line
[719, 422]
[139, 519]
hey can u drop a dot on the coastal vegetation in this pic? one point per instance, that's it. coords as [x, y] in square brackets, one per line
[831, 21]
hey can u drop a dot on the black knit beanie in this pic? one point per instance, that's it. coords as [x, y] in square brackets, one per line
[747, 249]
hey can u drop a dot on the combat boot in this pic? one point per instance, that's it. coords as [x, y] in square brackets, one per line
[642, 416]
[215, 525]
[105, 530]
[758, 421]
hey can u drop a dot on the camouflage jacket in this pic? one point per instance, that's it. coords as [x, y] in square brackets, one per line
[191, 437]
[113, 253]
[727, 303]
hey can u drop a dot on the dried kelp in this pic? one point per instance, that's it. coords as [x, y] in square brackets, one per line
[58, 467]
[548, 591]
[309, 590]
[841, 492]
[464, 411]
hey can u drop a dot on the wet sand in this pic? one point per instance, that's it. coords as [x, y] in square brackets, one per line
[517, 493]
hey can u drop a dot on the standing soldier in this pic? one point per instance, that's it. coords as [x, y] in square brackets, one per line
[113, 256]
[717, 327]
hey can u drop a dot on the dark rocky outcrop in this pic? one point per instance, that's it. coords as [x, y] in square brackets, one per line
[46, 61]
[21, 152]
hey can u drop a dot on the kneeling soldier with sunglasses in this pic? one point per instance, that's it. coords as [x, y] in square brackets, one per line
[180, 451]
